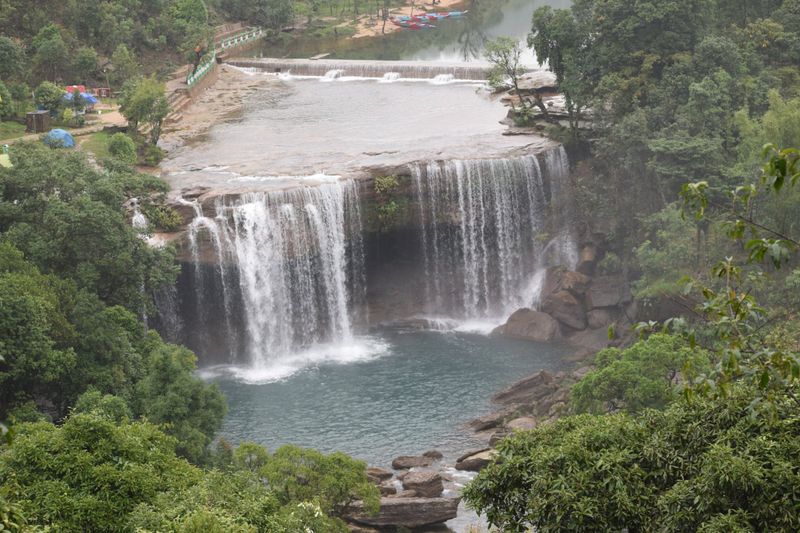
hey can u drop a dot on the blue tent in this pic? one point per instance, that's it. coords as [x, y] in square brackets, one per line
[59, 138]
[88, 99]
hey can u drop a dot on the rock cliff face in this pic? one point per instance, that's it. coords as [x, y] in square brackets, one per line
[576, 305]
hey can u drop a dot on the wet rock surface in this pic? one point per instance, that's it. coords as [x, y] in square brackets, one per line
[406, 512]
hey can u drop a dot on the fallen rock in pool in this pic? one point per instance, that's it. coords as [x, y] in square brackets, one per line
[404, 462]
[523, 423]
[377, 475]
[425, 483]
[436, 455]
[475, 461]
[406, 512]
[530, 325]
[528, 390]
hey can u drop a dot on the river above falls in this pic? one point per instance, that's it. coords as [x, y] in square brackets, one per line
[383, 396]
[459, 39]
[308, 130]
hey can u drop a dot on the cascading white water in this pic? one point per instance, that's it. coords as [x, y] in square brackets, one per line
[481, 220]
[332, 75]
[299, 260]
[369, 68]
[389, 77]
[442, 79]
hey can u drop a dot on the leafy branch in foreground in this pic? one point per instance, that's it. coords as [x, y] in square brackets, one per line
[739, 327]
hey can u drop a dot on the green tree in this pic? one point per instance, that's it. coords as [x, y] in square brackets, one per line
[122, 148]
[124, 66]
[333, 481]
[12, 59]
[646, 375]
[90, 473]
[504, 54]
[50, 97]
[6, 102]
[84, 64]
[143, 103]
[51, 58]
[704, 465]
[169, 394]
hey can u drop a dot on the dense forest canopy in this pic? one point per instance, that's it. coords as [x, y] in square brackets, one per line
[695, 426]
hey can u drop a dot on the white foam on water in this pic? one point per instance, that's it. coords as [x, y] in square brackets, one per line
[319, 177]
[359, 350]
[442, 79]
[389, 77]
[332, 75]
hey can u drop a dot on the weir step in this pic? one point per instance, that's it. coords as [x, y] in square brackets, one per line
[369, 69]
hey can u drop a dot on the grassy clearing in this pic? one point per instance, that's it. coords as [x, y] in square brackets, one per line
[10, 130]
[97, 144]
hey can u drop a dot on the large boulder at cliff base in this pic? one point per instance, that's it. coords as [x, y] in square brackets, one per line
[608, 291]
[406, 512]
[600, 318]
[565, 308]
[426, 484]
[531, 325]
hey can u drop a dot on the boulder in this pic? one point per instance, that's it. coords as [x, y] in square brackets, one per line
[498, 435]
[406, 512]
[531, 325]
[387, 488]
[600, 318]
[425, 483]
[582, 371]
[475, 461]
[587, 260]
[404, 462]
[489, 421]
[522, 423]
[527, 390]
[608, 291]
[403, 494]
[575, 282]
[436, 455]
[565, 308]
[377, 475]
[536, 80]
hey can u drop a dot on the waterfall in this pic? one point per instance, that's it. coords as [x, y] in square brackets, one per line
[367, 68]
[481, 222]
[294, 260]
[442, 79]
[333, 74]
[389, 77]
